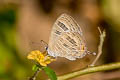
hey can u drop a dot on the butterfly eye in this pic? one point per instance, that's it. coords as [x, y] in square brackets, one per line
[46, 48]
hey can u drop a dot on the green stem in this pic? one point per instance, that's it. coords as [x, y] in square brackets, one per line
[90, 70]
[34, 75]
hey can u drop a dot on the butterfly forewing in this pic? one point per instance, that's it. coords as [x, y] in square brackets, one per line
[66, 39]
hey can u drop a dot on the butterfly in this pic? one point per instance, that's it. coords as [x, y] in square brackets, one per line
[66, 39]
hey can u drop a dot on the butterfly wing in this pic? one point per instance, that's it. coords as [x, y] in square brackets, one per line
[66, 39]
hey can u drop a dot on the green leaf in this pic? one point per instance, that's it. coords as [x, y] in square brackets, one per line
[35, 68]
[51, 74]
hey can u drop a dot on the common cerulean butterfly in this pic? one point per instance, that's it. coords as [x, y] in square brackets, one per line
[66, 39]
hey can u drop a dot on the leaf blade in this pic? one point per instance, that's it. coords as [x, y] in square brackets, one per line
[51, 74]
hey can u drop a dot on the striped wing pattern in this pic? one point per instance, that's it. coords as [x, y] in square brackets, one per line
[66, 39]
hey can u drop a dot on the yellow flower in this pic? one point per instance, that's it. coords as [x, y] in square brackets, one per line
[42, 58]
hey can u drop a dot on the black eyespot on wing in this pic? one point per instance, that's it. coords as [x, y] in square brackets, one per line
[61, 25]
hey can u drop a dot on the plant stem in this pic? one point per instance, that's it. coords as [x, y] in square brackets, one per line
[102, 37]
[90, 70]
[34, 75]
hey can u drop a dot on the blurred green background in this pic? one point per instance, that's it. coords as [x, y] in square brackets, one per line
[25, 21]
[12, 66]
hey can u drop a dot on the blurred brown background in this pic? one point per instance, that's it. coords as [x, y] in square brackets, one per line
[26, 21]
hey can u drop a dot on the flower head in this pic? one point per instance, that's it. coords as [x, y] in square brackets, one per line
[42, 58]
